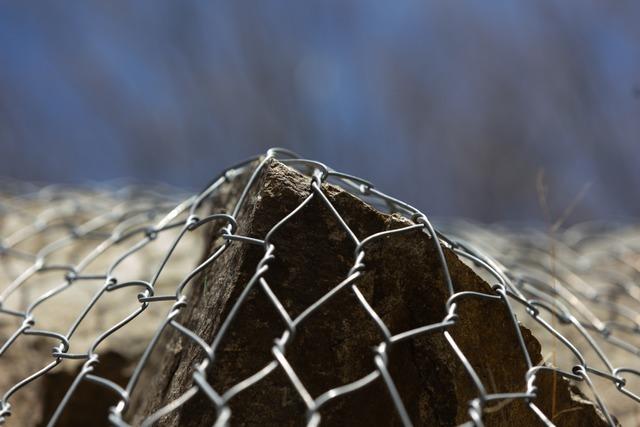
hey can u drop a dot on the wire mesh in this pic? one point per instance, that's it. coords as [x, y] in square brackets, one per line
[580, 285]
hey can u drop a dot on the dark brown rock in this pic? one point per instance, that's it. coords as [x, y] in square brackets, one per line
[32, 406]
[403, 283]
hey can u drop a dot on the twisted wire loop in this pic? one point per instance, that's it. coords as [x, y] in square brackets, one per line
[113, 218]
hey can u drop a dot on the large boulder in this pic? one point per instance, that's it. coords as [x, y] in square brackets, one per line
[402, 281]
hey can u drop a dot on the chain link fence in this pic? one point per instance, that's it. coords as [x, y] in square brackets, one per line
[82, 266]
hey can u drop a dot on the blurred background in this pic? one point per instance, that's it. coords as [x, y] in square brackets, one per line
[455, 107]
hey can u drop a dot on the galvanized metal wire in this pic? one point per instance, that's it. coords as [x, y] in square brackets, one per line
[591, 287]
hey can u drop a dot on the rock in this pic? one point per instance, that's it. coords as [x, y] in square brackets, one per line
[16, 367]
[403, 283]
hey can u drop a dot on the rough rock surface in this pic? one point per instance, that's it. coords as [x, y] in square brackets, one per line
[403, 283]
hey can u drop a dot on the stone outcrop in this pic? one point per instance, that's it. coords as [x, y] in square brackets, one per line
[404, 284]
